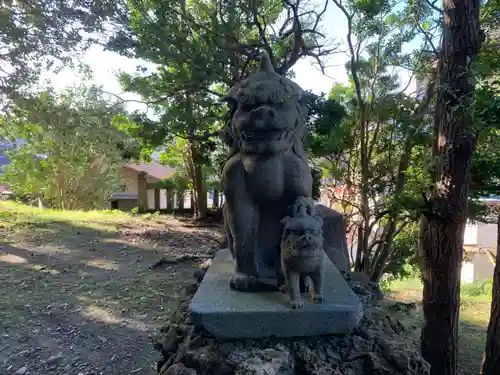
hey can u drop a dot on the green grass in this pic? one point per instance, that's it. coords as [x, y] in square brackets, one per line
[10, 210]
[21, 223]
[474, 317]
[23, 218]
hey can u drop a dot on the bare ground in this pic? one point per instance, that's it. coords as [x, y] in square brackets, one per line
[82, 299]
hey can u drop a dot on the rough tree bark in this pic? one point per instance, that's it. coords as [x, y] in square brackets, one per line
[215, 201]
[142, 192]
[195, 171]
[491, 357]
[443, 222]
[181, 195]
[170, 199]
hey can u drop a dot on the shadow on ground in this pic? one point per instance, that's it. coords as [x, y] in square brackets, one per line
[82, 298]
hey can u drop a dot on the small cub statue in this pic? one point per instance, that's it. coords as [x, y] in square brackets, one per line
[302, 251]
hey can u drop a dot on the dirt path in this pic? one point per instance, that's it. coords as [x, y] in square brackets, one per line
[82, 301]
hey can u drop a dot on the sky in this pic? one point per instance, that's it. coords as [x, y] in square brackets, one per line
[105, 65]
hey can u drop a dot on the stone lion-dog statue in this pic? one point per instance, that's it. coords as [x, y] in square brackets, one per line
[267, 169]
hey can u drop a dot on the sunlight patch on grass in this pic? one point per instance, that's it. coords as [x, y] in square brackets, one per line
[126, 243]
[475, 312]
[102, 263]
[102, 315]
[49, 249]
[19, 214]
[411, 289]
[45, 269]
[18, 217]
[12, 259]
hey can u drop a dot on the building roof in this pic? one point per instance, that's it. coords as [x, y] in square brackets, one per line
[155, 170]
[124, 196]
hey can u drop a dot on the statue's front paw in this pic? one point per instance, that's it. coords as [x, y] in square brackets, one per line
[297, 304]
[242, 282]
[317, 298]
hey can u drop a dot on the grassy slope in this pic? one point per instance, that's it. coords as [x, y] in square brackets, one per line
[474, 317]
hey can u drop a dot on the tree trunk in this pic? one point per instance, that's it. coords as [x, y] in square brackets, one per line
[379, 261]
[200, 194]
[142, 192]
[491, 357]
[157, 199]
[192, 203]
[215, 201]
[180, 200]
[170, 200]
[193, 161]
[383, 251]
[443, 223]
[358, 264]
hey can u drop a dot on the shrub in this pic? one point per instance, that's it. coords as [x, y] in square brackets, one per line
[477, 289]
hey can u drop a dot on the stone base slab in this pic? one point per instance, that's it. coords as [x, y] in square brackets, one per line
[229, 314]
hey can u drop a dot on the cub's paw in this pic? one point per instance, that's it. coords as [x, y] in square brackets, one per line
[242, 282]
[298, 304]
[317, 298]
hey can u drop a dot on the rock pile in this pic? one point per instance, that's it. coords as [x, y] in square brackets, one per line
[379, 346]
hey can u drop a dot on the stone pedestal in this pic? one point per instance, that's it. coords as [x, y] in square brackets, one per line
[229, 314]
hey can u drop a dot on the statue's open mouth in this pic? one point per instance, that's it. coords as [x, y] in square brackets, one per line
[263, 135]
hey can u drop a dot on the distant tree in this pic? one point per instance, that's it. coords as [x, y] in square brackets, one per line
[199, 50]
[72, 153]
[376, 158]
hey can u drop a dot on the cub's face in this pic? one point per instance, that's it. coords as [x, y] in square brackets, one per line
[302, 235]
